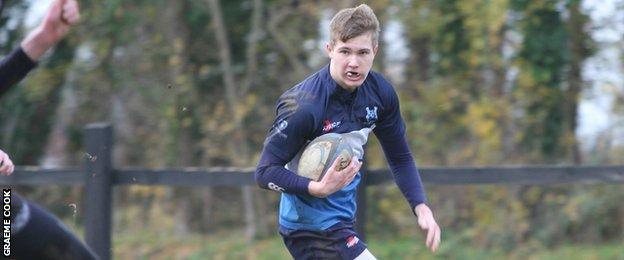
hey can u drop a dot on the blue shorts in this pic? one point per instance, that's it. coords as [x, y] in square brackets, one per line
[337, 242]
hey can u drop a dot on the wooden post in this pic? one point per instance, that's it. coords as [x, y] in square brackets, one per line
[98, 188]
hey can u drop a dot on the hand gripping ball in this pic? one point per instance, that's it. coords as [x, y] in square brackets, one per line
[321, 153]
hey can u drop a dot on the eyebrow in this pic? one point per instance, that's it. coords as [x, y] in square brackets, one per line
[347, 48]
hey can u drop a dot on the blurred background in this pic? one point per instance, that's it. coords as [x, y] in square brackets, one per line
[194, 83]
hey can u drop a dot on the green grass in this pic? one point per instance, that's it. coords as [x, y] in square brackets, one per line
[232, 245]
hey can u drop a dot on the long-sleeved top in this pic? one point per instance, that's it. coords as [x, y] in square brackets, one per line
[14, 68]
[317, 106]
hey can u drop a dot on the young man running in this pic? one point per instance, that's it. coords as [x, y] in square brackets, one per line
[316, 218]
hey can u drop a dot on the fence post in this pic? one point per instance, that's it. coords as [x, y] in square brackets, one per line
[98, 188]
[360, 214]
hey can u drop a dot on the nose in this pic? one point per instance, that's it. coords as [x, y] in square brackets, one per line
[353, 62]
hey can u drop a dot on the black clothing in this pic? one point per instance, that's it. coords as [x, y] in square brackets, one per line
[14, 68]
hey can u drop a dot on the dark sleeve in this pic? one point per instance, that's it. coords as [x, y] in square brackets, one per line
[404, 170]
[288, 135]
[271, 174]
[390, 131]
[14, 68]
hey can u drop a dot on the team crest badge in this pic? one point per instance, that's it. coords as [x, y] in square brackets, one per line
[371, 114]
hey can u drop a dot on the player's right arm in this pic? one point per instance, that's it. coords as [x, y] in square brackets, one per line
[271, 174]
[293, 126]
[289, 134]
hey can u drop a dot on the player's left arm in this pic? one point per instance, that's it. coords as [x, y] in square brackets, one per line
[391, 133]
[407, 177]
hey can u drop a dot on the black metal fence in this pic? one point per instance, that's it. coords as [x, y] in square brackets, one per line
[99, 176]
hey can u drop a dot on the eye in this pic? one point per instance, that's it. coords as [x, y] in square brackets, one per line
[343, 52]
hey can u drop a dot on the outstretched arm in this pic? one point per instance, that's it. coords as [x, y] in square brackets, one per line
[61, 16]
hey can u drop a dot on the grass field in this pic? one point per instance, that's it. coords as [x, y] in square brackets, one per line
[231, 245]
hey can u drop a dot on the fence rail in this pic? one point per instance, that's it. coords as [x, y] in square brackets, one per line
[237, 177]
[99, 176]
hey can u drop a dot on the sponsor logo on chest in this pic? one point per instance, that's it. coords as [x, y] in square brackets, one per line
[329, 125]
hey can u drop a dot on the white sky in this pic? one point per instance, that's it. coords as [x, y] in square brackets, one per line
[36, 12]
[604, 71]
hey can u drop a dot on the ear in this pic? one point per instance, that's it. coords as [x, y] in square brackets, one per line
[375, 49]
[328, 50]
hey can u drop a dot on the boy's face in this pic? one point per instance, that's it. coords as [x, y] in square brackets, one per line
[351, 60]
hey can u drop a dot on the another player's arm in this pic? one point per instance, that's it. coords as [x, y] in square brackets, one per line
[6, 165]
[13, 68]
[61, 16]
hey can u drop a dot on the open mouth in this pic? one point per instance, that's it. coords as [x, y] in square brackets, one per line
[352, 75]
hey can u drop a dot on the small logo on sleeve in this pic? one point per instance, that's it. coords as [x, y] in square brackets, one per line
[282, 125]
[352, 241]
[274, 187]
[278, 129]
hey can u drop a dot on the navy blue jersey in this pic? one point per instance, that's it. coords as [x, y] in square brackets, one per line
[317, 106]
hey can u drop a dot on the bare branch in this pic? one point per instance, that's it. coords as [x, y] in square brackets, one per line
[252, 47]
[277, 16]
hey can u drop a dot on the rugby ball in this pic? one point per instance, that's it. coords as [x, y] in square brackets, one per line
[321, 153]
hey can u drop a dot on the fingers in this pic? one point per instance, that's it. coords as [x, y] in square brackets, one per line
[436, 239]
[356, 162]
[7, 165]
[354, 166]
[352, 170]
[430, 235]
[5, 170]
[334, 180]
[336, 163]
[70, 12]
[55, 11]
[433, 234]
[428, 223]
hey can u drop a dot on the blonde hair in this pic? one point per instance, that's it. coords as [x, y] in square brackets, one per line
[349, 23]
